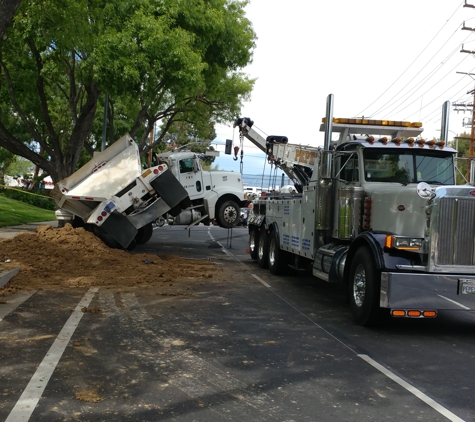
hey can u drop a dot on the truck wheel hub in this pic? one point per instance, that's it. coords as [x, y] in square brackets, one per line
[359, 286]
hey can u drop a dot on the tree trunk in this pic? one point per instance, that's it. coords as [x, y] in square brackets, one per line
[7, 11]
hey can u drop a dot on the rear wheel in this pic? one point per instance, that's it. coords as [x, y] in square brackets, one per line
[253, 242]
[263, 249]
[106, 238]
[78, 222]
[228, 214]
[363, 287]
[278, 259]
[144, 234]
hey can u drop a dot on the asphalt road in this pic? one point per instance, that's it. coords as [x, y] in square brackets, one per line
[251, 347]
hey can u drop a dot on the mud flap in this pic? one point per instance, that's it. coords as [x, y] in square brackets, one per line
[120, 229]
[171, 191]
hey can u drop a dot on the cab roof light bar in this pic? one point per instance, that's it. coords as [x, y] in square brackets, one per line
[375, 122]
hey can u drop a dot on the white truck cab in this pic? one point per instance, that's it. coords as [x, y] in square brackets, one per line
[215, 195]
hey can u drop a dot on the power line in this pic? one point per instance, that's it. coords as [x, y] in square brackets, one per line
[412, 63]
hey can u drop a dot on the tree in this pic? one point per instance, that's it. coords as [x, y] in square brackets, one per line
[462, 163]
[7, 11]
[6, 159]
[158, 61]
[194, 137]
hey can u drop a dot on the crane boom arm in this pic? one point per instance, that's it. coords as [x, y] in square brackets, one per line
[296, 161]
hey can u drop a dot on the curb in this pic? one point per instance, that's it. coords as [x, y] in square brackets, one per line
[5, 277]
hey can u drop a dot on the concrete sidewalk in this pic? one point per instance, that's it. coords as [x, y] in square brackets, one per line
[12, 231]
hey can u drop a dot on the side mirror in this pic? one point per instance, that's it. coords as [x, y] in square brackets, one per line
[425, 191]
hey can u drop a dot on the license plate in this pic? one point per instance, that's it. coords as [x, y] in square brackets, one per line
[467, 287]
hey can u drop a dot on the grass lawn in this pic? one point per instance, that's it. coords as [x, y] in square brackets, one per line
[13, 213]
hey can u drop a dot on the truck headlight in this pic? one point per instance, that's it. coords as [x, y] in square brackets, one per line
[404, 243]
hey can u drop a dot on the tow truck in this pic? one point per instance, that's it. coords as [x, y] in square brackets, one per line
[376, 209]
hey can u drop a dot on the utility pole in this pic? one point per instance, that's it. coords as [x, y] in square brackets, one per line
[472, 105]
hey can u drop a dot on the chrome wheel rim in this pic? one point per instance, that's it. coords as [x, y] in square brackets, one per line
[359, 286]
[260, 250]
[252, 242]
[230, 215]
[272, 252]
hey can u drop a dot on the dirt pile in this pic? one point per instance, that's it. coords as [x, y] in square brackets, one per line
[67, 257]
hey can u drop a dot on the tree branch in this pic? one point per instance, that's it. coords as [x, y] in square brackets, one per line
[7, 11]
[12, 144]
[44, 104]
[34, 134]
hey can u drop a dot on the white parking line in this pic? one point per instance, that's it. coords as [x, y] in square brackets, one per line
[419, 394]
[13, 302]
[31, 395]
[454, 302]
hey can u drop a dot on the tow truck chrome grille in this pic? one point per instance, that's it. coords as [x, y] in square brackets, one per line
[455, 245]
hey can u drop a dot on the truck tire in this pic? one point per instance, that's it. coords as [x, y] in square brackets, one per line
[363, 287]
[278, 259]
[106, 238]
[263, 249]
[253, 241]
[228, 214]
[78, 222]
[144, 234]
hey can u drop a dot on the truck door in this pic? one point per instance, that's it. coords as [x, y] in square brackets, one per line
[191, 177]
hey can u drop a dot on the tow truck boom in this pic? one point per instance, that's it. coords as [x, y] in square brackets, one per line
[296, 161]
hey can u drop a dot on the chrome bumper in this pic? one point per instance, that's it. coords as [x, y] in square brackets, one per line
[425, 291]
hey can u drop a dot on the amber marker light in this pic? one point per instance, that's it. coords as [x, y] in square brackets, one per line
[414, 314]
[429, 314]
[403, 243]
[388, 242]
[398, 313]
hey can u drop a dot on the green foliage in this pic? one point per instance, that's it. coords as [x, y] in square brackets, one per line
[462, 162]
[158, 60]
[14, 212]
[36, 199]
[193, 137]
[19, 167]
[6, 159]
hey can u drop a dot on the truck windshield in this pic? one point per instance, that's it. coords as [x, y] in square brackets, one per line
[409, 166]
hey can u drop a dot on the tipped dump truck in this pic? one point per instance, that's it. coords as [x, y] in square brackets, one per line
[115, 198]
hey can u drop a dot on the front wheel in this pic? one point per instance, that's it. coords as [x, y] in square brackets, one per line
[363, 288]
[228, 214]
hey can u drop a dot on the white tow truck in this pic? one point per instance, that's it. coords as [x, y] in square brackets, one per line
[215, 195]
[377, 209]
[116, 199]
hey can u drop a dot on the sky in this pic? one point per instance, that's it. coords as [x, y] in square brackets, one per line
[380, 59]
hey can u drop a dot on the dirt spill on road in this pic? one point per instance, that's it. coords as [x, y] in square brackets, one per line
[68, 257]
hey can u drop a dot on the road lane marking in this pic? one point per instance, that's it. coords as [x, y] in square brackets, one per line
[13, 302]
[228, 253]
[260, 280]
[419, 394]
[454, 302]
[31, 395]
